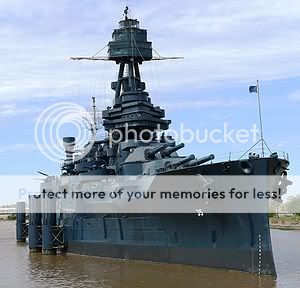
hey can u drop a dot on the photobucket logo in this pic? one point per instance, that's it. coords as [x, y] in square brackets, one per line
[217, 135]
[187, 135]
[55, 122]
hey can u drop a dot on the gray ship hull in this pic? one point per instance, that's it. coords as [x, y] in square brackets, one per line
[228, 241]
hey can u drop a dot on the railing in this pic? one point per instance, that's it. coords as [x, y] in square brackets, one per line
[231, 156]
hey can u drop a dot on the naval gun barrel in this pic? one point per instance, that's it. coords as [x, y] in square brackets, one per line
[169, 151]
[201, 160]
[182, 162]
[150, 153]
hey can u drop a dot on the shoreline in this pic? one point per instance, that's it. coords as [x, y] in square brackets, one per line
[285, 226]
[285, 222]
[6, 217]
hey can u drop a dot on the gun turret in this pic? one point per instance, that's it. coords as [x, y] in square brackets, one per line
[69, 144]
[150, 153]
[181, 162]
[201, 160]
[169, 151]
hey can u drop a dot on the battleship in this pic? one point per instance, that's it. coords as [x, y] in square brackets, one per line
[233, 241]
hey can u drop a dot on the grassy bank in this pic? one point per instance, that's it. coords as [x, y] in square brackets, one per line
[282, 221]
[7, 217]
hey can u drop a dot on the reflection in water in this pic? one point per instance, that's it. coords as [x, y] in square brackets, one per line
[20, 269]
[94, 272]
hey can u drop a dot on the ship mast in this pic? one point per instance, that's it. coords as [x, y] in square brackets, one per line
[260, 121]
[132, 108]
[261, 140]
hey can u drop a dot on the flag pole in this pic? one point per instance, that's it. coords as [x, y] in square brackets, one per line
[260, 121]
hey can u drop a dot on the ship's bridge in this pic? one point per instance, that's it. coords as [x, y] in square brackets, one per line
[129, 23]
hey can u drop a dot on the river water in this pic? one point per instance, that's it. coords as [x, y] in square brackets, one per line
[18, 268]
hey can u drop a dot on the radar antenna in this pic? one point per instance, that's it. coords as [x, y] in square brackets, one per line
[126, 12]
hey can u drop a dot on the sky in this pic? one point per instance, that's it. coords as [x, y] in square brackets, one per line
[226, 46]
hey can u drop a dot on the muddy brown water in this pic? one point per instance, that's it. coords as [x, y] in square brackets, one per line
[18, 268]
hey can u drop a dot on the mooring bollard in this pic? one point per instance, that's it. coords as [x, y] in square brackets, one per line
[21, 225]
[48, 226]
[35, 224]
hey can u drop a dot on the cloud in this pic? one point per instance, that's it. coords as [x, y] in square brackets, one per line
[9, 110]
[222, 42]
[295, 96]
[20, 147]
[195, 104]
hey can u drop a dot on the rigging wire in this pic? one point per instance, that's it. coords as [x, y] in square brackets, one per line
[99, 51]
[78, 82]
[157, 53]
[160, 96]
[156, 94]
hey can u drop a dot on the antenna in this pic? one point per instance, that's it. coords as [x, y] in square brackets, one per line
[94, 127]
[255, 89]
[260, 121]
[126, 12]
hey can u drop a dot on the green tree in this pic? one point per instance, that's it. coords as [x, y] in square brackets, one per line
[293, 205]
